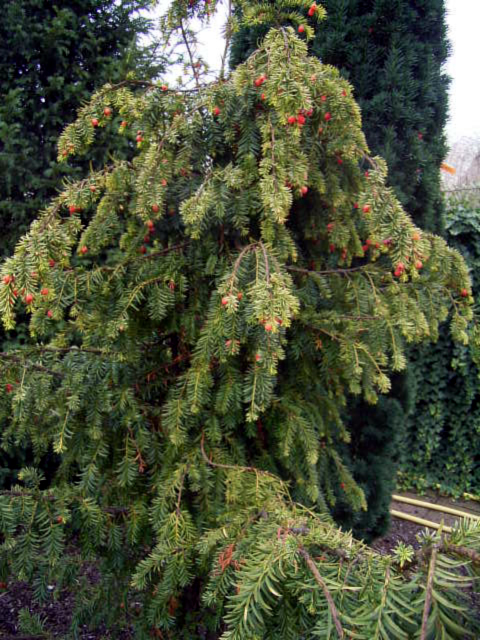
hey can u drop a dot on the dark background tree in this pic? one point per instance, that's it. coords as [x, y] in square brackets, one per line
[393, 52]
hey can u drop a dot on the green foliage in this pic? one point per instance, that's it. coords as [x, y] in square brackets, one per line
[199, 320]
[441, 444]
[392, 52]
[52, 57]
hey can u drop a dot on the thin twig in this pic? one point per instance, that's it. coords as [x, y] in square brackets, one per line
[265, 257]
[428, 596]
[30, 365]
[316, 574]
[337, 272]
[233, 467]
[190, 54]
[182, 482]
[228, 35]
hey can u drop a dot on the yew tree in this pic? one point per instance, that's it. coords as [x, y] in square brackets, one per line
[199, 316]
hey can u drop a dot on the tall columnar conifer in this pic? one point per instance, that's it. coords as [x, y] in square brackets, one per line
[207, 315]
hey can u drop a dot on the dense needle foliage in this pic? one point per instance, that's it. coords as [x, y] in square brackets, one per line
[201, 314]
[393, 53]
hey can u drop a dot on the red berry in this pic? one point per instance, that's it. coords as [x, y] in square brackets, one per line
[367, 175]
[309, 113]
[216, 111]
[355, 205]
[107, 112]
[164, 87]
[143, 249]
[146, 239]
[268, 327]
[73, 209]
[258, 357]
[263, 96]
[260, 80]
[93, 188]
[29, 298]
[464, 293]
[124, 123]
[301, 120]
[366, 208]
[339, 160]
[228, 343]
[150, 223]
[164, 182]
[171, 285]
[420, 136]
[49, 313]
[332, 248]
[304, 190]
[365, 248]
[399, 270]
[344, 93]
[292, 120]
[342, 485]
[418, 264]
[312, 9]
[416, 236]
[323, 98]
[44, 292]
[377, 245]
[51, 262]
[155, 209]
[327, 116]
[83, 250]
[139, 138]
[330, 226]
[9, 388]
[94, 122]
[60, 520]
[240, 295]
[224, 301]
[7, 280]
[301, 29]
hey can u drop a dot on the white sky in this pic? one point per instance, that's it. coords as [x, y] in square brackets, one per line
[463, 18]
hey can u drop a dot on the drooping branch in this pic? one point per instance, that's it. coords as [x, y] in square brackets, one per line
[318, 578]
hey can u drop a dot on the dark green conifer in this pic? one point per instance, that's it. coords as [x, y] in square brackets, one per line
[198, 320]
